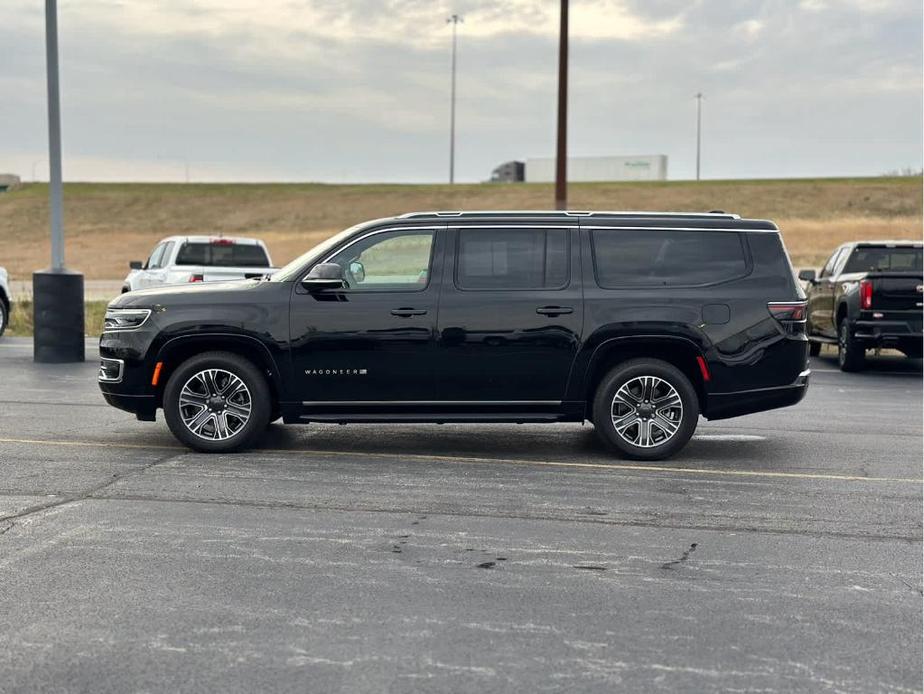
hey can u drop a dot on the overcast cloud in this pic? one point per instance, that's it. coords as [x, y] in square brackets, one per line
[358, 90]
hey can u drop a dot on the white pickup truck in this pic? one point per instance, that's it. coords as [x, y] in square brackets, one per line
[182, 259]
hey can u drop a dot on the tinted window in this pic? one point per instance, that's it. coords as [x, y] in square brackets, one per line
[512, 259]
[222, 255]
[832, 262]
[884, 259]
[654, 257]
[156, 255]
[391, 261]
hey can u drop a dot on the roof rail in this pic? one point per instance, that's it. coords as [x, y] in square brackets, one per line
[557, 214]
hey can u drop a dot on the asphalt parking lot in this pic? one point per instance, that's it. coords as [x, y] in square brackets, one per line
[778, 552]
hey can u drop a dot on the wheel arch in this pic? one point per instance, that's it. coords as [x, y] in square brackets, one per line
[679, 351]
[178, 349]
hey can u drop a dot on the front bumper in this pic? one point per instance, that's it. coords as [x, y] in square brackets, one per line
[725, 405]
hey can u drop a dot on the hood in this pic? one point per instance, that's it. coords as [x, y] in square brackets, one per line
[194, 293]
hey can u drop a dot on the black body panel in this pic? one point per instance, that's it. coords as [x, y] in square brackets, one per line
[436, 350]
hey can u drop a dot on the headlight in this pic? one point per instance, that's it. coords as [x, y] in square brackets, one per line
[125, 318]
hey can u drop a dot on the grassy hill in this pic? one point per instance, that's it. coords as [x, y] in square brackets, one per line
[107, 225]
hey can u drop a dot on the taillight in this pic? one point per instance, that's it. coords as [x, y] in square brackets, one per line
[196, 278]
[866, 294]
[787, 311]
[222, 242]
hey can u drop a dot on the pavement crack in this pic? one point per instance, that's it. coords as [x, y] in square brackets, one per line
[896, 576]
[85, 494]
[683, 557]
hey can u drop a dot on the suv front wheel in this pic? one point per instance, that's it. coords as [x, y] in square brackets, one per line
[645, 409]
[217, 402]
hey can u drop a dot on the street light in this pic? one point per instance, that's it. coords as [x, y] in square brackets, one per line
[561, 162]
[455, 20]
[57, 292]
[699, 130]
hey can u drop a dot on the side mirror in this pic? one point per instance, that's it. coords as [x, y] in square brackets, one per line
[135, 265]
[807, 275]
[324, 276]
[358, 270]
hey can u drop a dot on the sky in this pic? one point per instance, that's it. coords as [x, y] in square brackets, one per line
[358, 90]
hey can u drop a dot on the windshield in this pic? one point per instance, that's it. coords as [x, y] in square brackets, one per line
[884, 259]
[290, 272]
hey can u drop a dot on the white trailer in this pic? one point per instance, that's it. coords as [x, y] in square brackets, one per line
[647, 167]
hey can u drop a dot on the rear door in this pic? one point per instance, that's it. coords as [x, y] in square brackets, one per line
[510, 317]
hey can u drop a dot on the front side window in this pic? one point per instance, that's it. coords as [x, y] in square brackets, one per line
[665, 258]
[390, 261]
[156, 255]
[828, 269]
[512, 259]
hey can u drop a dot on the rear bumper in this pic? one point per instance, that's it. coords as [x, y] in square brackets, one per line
[884, 333]
[725, 405]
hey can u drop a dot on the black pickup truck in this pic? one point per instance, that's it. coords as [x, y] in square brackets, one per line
[868, 296]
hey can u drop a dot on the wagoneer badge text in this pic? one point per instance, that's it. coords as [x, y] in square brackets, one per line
[336, 372]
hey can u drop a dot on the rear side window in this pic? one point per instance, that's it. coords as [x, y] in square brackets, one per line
[664, 258]
[882, 259]
[512, 259]
[222, 255]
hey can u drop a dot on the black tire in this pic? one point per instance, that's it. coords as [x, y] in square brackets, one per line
[4, 317]
[606, 407]
[223, 364]
[851, 356]
[814, 348]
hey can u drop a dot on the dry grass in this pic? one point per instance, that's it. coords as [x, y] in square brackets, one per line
[21, 323]
[109, 224]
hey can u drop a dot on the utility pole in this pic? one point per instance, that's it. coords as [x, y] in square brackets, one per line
[57, 292]
[699, 129]
[455, 20]
[561, 161]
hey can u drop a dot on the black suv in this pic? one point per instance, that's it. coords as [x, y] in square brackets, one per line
[637, 321]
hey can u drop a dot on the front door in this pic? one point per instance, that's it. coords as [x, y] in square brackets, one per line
[369, 345]
[510, 319]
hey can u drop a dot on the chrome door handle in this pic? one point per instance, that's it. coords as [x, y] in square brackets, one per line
[408, 312]
[554, 310]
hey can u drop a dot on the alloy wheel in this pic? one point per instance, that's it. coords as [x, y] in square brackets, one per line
[215, 404]
[646, 411]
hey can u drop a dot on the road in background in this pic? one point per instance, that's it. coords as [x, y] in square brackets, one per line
[93, 290]
[779, 551]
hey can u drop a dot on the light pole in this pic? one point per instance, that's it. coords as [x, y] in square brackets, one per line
[699, 129]
[455, 20]
[561, 156]
[57, 292]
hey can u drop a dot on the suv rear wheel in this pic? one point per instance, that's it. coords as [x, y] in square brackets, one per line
[4, 316]
[217, 402]
[645, 409]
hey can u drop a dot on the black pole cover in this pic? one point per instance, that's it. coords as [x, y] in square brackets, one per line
[58, 321]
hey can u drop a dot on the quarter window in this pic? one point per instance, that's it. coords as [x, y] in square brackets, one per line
[390, 261]
[512, 259]
[665, 258]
